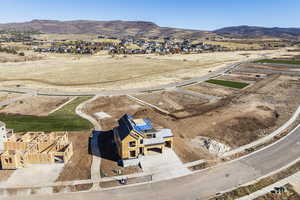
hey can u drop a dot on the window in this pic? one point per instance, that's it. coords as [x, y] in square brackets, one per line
[132, 144]
[153, 135]
[141, 141]
[10, 160]
[132, 153]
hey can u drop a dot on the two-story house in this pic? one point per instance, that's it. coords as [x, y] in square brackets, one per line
[135, 137]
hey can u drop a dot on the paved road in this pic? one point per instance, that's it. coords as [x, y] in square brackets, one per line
[129, 91]
[202, 184]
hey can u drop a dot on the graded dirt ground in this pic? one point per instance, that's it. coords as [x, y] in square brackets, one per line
[212, 89]
[71, 72]
[35, 105]
[79, 166]
[239, 78]
[172, 101]
[240, 117]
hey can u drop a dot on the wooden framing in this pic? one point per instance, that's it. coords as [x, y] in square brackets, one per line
[36, 148]
[130, 142]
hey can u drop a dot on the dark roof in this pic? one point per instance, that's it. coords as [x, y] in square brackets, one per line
[126, 125]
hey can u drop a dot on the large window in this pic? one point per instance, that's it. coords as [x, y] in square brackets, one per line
[132, 153]
[132, 144]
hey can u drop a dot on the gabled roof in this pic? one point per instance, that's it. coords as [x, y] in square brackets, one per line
[127, 124]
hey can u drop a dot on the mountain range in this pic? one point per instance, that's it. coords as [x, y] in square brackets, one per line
[145, 29]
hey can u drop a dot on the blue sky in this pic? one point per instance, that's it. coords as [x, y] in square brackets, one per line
[193, 14]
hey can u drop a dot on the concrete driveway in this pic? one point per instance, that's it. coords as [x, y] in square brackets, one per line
[33, 175]
[164, 165]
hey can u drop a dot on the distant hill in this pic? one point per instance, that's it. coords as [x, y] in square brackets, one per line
[111, 28]
[254, 31]
[146, 29]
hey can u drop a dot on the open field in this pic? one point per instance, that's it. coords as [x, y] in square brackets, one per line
[7, 57]
[34, 106]
[238, 85]
[64, 119]
[70, 72]
[234, 45]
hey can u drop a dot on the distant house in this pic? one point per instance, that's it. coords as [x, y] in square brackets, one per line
[135, 137]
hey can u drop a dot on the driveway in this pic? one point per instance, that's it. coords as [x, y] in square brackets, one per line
[164, 165]
[33, 175]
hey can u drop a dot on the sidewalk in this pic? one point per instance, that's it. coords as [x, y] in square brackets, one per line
[293, 180]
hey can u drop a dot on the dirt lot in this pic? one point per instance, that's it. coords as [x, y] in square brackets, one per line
[212, 89]
[239, 78]
[35, 105]
[269, 68]
[176, 103]
[240, 117]
[115, 106]
[79, 167]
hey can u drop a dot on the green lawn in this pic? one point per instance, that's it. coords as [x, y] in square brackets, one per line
[293, 62]
[64, 119]
[232, 84]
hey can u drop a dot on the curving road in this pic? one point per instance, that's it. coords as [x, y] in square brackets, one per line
[129, 91]
[202, 184]
[205, 183]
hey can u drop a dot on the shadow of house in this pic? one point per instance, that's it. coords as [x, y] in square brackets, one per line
[102, 145]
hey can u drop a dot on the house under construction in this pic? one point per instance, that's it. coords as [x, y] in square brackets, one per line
[36, 148]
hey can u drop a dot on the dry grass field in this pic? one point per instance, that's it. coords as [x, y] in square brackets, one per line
[70, 72]
[35, 105]
[234, 45]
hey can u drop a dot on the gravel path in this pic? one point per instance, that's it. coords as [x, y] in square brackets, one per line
[96, 162]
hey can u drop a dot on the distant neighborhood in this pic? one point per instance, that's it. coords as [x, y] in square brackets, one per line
[130, 45]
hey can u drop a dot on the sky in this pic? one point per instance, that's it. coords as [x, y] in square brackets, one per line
[191, 14]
